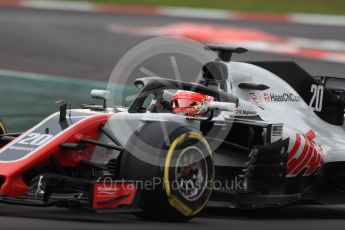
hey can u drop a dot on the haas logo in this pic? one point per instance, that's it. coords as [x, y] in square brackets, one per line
[267, 97]
[305, 155]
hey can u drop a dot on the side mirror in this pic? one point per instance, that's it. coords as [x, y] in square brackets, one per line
[101, 94]
[223, 106]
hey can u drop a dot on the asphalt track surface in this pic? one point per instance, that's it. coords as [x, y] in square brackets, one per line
[304, 218]
[77, 45]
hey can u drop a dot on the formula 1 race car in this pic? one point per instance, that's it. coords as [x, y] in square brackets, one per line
[249, 135]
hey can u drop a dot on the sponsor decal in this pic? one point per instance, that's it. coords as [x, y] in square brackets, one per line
[244, 112]
[284, 97]
[111, 190]
[305, 156]
[276, 132]
[112, 194]
[255, 99]
[21, 148]
[267, 97]
[35, 139]
[39, 137]
[244, 109]
[317, 97]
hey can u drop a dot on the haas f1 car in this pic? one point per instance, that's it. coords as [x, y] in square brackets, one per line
[269, 134]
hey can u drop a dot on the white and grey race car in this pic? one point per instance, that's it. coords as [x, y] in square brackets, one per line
[273, 135]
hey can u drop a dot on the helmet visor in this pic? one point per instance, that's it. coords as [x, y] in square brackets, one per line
[184, 103]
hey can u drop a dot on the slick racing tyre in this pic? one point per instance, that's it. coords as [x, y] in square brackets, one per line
[184, 167]
[2, 127]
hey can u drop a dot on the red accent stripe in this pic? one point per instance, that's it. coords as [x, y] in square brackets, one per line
[305, 161]
[313, 166]
[11, 170]
[10, 3]
[312, 53]
[310, 134]
[320, 161]
[295, 147]
[295, 162]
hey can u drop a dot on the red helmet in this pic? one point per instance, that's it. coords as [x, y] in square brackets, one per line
[189, 103]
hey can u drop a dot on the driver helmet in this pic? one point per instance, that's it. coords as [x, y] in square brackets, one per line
[190, 103]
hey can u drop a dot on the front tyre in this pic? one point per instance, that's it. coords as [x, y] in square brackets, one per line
[186, 172]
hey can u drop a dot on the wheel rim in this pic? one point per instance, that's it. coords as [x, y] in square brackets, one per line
[191, 173]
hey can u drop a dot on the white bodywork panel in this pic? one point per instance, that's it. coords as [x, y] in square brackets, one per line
[311, 140]
[287, 107]
[123, 124]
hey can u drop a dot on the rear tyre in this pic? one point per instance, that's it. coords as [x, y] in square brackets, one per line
[184, 168]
